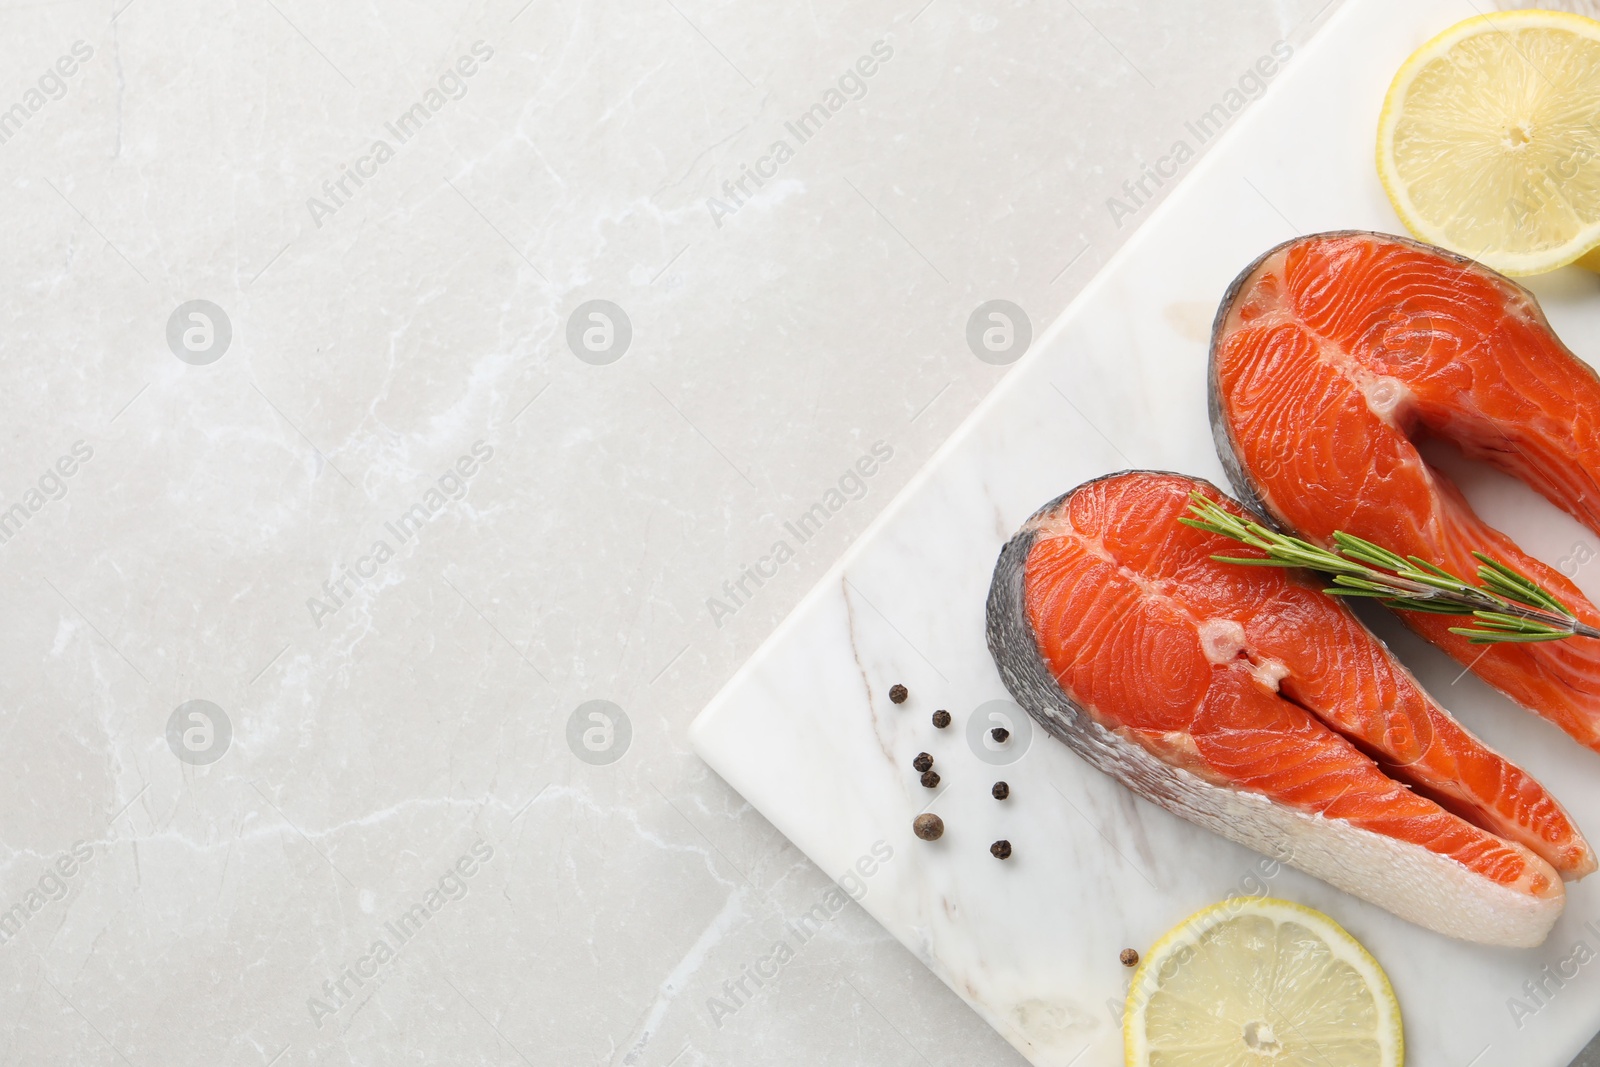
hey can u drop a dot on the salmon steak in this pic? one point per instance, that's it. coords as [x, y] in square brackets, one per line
[1332, 355]
[1248, 701]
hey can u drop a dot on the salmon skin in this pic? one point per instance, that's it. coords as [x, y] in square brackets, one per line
[1246, 700]
[1332, 354]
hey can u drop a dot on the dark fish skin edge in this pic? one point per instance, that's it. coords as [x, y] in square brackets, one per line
[1010, 638]
[1029, 679]
[1244, 487]
[1410, 882]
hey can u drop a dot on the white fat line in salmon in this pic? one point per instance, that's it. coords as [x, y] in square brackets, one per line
[850, 486]
[1540, 990]
[405, 528]
[1141, 189]
[753, 977]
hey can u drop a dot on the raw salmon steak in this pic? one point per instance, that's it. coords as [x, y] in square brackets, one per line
[1248, 701]
[1333, 354]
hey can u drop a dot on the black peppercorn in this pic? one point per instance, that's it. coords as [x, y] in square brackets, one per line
[1000, 791]
[928, 826]
[930, 778]
[1000, 850]
[898, 694]
[1129, 958]
[1000, 734]
[923, 762]
[941, 718]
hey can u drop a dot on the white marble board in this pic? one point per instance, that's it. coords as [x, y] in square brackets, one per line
[806, 733]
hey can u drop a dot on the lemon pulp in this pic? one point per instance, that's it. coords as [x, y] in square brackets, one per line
[1255, 980]
[1489, 140]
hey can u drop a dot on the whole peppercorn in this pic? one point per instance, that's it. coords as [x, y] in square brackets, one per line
[898, 693]
[1000, 850]
[923, 762]
[1000, 791]
[1129, 957]
[1000, 734]
[930, 778]
[941, 718]
[928, 826]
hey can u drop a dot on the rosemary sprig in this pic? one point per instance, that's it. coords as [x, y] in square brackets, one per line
[1506, 607]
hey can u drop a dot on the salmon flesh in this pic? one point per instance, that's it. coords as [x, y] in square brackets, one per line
[1246, 700]
[1333, 354]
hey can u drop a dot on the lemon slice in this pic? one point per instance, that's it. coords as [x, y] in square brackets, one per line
[1254, 980]
[1489, 141]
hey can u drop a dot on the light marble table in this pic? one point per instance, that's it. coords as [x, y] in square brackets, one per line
[359, 583]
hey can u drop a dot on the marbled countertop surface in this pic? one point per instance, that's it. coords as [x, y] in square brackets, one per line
[397, 508]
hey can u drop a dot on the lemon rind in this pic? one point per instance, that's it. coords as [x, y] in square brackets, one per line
[1390, 1031]
[1515, 264]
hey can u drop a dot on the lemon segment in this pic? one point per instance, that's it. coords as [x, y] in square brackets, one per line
[1489, 140]
[1256, 980]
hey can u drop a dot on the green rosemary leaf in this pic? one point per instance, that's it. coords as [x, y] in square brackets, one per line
[1306, 546]
[1451, 584]
[1489, 637]
[1362, 549]
[1205, 520]
[1530, 591]
[1432, 607]
[1376, 583]
[1422, 564]
[1519, 623]
[1508, 606]
[1509, 588]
